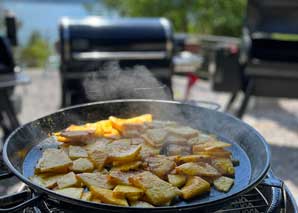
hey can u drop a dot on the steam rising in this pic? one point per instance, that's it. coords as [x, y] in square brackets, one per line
[112, 82]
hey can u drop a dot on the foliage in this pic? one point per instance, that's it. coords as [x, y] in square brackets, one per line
[219, 17]
[36, 51]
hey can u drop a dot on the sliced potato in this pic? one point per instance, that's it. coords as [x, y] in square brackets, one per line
[157, 191]
[53, 161]
[106, 196]
[118, 177]
[98, 158]
[67, 180]
[140, 204]
[96, 200]
[44, 180]
[129, 154]
[195, 158]
[223, 184]
[177, 149]
[210, 145]
[95, 179]
[160, 165]
[71, 192]
[87, 196]
[122, 191]
[128, 166]
[82, 165]
[148, 150]
[219, 152]
[177, 180]
[194, 186]
[224, 166]
[185, 132]
[75, 152]
[201, 169]
[155, 137]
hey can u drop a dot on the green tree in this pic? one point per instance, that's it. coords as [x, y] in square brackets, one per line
[218, 17]
[36, 51]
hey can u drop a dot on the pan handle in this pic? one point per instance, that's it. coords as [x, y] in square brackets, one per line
[279, 198]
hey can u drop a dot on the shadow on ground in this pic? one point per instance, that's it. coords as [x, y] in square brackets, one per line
[284, 162]
[271, 109]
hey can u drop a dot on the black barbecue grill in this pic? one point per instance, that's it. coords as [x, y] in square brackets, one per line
[88, 45]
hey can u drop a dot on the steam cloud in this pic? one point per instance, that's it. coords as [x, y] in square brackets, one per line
[112, 82]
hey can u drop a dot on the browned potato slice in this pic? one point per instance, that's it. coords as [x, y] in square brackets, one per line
[87, 196]
[148, 150]
[157, 191]
[132, 130]
[125, 155]
[177, 180]
[106, 196]
[195, 158]
[214, 153]
[100, 145]
[155, 137]
[98, 158]
[224, 166]
[141, 204]
[185, 132]
[75, 152]
[201, 169]
[82, 165]
[210, 145]
[160, 165]
[223, 184]
[53, 161]
[67, 180]
[45, 181]
[77, 136]
[128, 166]
[118, 177]
[195, 186]
[175, 149]
[175, 139]
[95, 179]
[71, 192]
[122, 191]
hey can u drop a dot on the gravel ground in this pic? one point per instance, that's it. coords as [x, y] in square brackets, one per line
[275, 119]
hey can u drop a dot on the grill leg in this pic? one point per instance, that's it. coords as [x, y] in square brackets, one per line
[247, 94]
[231, 101]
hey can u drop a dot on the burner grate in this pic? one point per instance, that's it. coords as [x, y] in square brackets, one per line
[254, 201]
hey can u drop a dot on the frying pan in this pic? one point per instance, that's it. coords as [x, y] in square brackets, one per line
[24, 146]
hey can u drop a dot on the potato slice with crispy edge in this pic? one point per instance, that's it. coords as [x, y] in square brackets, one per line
[125, 155]
[67, 180]
[98, 158]
[135, 165]
[106, 196]
[177, 180]
[224, 166]
[121, 178]
[95, 179]
[198, 168]
[183, 131]
[210, 145]
[123, 191]
[82, 165]
[71, 192]
[53, 161]
[157, 191]
[194, 186]
[87, 196]
[223, 183]
[75, 152]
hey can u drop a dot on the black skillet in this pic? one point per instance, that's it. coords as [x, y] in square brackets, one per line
[24, 146]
